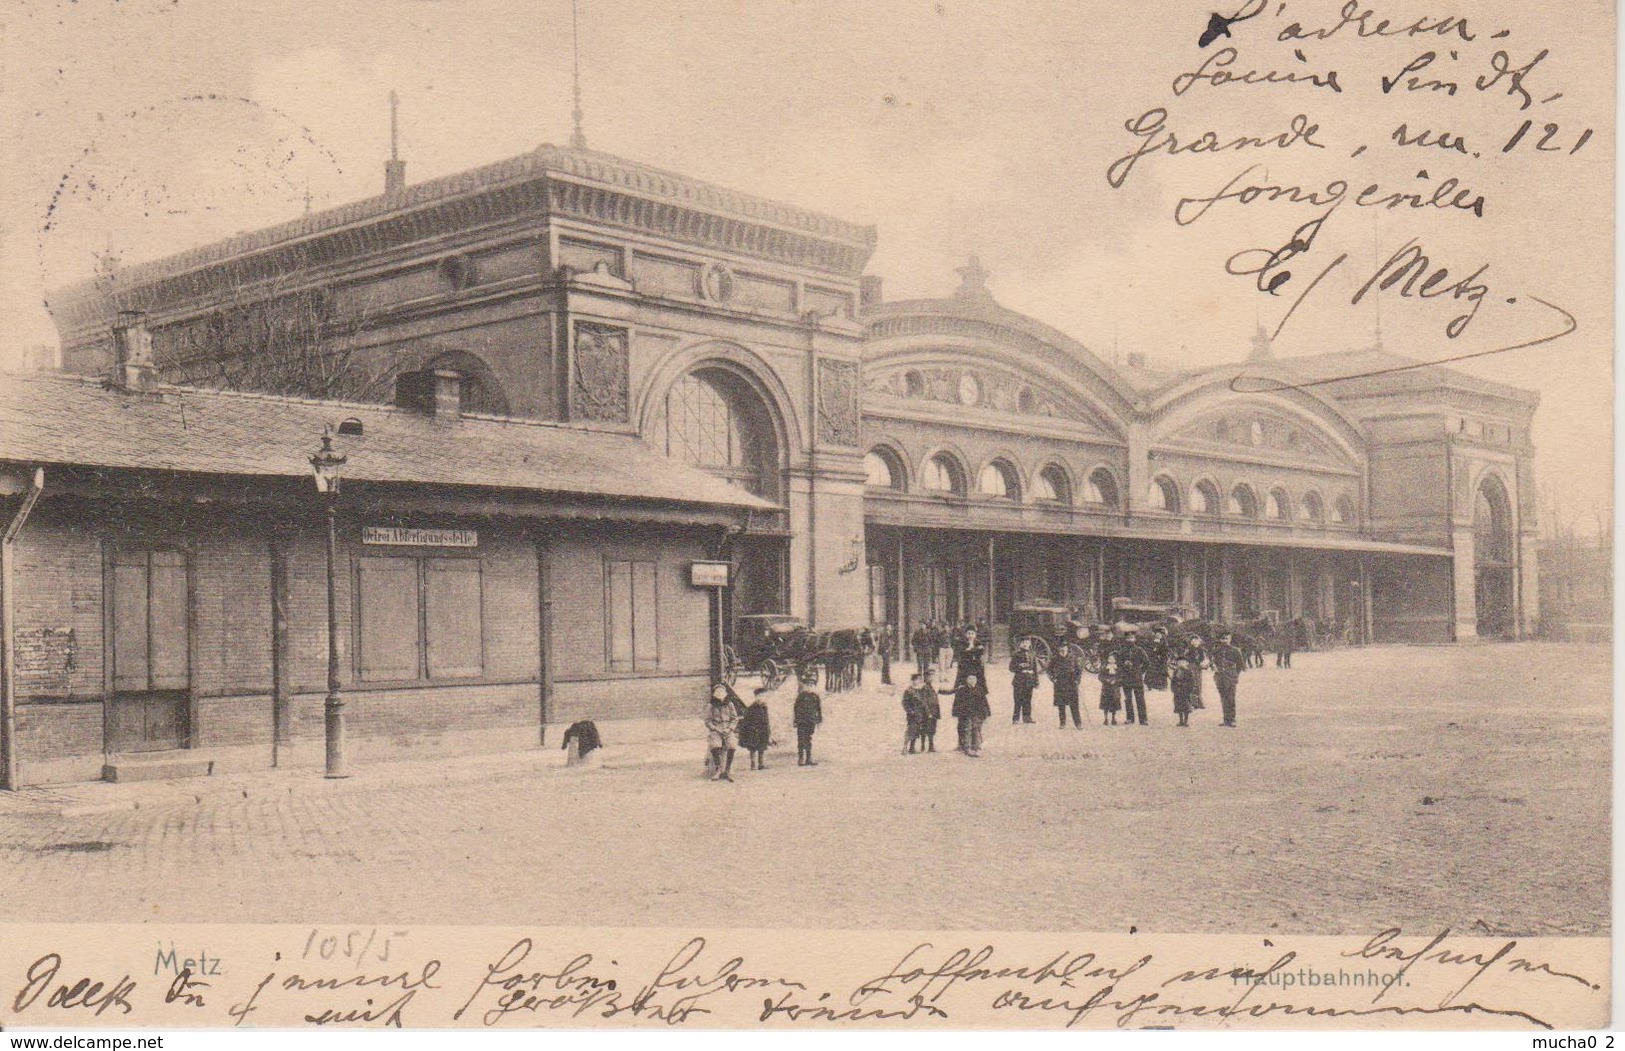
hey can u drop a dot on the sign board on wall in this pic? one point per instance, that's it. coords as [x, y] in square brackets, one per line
[709, 574]
[402, 536]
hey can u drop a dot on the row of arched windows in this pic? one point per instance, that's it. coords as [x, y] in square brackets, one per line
[1242, 502]
[998, 480]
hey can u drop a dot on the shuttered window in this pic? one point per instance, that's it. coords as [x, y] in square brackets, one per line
[631, 616]
[149, 621]
[419, 618]
[452, 617]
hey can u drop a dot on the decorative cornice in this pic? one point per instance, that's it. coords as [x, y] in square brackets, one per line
[550, 181]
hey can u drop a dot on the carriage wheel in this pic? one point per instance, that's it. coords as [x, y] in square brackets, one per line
[730, 664]
[772, 674]
[1041, 650]
[1091, 661]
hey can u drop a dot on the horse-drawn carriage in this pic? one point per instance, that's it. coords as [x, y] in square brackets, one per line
[774, 646]
[1046, 624]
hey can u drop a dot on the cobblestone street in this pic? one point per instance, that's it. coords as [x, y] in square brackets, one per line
[1420, 787]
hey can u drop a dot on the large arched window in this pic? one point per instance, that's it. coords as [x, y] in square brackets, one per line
[943, 474]
[1051, 486]
[1242, 502]
[1313, 509]
[1100, 489]
[716, 421]
[1343, 510]
[1494, 561]
[1163, 495]
[1204, 498]
[999, 480]
[1492, 524]
[882, 469]
[1278, 506]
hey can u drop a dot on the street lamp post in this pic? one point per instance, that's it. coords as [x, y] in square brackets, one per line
[328, 466]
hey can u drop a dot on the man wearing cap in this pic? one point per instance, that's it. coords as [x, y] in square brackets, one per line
[1227, 664]
[1131, 668]
[1024, 677]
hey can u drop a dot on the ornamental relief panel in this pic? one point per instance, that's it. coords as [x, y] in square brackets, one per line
[838, 414]
[981, 388]
[1236, 431]
[598, 386]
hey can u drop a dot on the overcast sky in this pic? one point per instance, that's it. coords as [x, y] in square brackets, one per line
[148, 126]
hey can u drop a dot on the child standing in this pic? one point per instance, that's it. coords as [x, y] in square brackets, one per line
[755, 731]
[808, 713]
[721, 731]
[1110, 699]
[914, 704]
[971, 709]
[930, 712]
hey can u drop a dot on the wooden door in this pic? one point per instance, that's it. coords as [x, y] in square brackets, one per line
[151, 646]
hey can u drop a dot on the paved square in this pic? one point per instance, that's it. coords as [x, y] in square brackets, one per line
[1422, 787]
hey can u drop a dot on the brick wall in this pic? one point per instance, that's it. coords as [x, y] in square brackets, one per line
[54, 730]
[405, 715]
[576, 577]
[231, 590]
[59, 609]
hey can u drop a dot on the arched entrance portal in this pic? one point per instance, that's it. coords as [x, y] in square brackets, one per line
[717, 420]
[1493, 561]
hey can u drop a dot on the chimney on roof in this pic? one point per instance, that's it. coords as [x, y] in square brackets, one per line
[394, 168]
[132, 353]
[433, 392]
[869, 292]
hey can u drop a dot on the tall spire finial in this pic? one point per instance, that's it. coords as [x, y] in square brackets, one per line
[578, 138]
[394, 168]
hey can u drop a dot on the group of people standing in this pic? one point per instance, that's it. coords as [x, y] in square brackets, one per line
[1126, 664]
[730, 725]
[1128, 667]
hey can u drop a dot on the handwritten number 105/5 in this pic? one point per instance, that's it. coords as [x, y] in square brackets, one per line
[353, 945]
[1544, 145]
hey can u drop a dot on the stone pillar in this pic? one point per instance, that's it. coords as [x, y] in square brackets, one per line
[1528, 597]
[829, 585]
[1465, 584]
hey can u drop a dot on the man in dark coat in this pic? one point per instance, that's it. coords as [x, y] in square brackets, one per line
[1131, 668]
[971, 660]
[807, 714]
[1286, 641]
[1024, 677]
[1228, 662]
[924, 643]
[1066, 671]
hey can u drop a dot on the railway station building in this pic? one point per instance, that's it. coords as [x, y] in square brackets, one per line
[568, 385]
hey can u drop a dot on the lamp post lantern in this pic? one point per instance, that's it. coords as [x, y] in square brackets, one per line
[327, 466]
